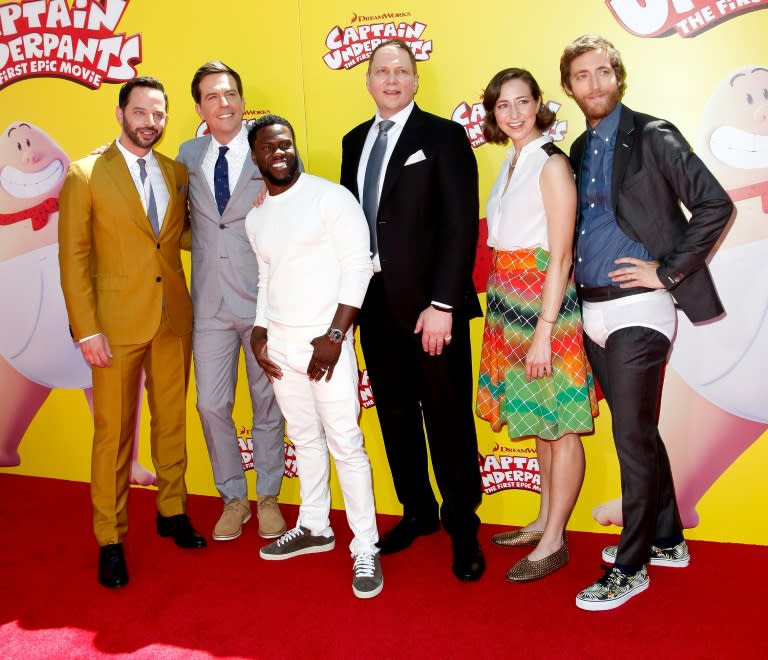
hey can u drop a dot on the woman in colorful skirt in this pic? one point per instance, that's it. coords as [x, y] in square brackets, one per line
[534, 376]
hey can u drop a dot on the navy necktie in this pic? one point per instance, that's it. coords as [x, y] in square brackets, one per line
[221, 180]
[371, 180]
[149, 196]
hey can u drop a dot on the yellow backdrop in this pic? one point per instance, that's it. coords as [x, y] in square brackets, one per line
[286, 54]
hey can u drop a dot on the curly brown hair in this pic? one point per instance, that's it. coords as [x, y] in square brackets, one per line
[545, 117]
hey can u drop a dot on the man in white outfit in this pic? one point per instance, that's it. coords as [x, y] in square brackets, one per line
[311, 241]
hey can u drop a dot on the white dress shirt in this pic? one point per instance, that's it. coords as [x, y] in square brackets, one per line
[238, 152]
[156, 180]
[393, 134]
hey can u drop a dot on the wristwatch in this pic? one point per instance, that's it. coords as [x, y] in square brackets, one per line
[335, 335]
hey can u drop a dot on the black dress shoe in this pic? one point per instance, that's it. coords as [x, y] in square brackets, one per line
[181, 530]
[113, 572]
[468, 562]
[404, 533]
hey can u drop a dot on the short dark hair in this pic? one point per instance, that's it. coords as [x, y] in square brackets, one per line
[585, 44]
[545, 117]
[141, 81]
[263, 122]
[397, 43]
[214, 66]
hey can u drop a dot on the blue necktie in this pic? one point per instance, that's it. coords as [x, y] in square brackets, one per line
[221, 180]
[371, 180]
[149, 196]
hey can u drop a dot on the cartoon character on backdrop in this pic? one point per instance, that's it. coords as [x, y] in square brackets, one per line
[715, 401]
[37, 353]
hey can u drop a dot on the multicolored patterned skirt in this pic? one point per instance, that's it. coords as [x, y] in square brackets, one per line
[547, 407]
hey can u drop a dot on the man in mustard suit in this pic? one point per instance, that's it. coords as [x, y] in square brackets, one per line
[122, 215]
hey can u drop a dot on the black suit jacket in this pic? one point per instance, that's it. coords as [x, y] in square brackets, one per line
[654, 169]
[427, 223]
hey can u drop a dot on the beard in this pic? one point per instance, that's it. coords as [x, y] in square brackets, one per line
[290, 173]
[595, 111]
[141, 142]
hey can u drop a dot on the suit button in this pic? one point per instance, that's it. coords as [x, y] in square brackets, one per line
[158, 246]
[158, 279]
[222, 226]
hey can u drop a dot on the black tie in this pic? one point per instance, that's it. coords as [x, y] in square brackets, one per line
[221, 180]
[371, 180]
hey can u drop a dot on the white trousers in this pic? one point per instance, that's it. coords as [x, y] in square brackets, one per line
[321, 417]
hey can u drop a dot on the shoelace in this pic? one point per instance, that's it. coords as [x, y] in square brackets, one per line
[289, 536]
[364, 565]
[614, 577]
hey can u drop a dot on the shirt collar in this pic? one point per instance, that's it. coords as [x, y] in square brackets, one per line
[131, 158]
[608, 126]
[236, 142]
[530, 147]
[399, 118]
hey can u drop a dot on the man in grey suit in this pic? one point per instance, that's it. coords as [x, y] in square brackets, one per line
[223, 183]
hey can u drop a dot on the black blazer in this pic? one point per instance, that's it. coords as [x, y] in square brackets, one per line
[427, 222]
[654, 169]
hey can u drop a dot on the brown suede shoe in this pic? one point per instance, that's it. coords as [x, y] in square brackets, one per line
[236, 513]
[271, 521]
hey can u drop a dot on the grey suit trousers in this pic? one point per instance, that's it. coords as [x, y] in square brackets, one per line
[216, 343]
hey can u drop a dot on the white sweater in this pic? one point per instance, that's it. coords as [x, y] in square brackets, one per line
[313, 248]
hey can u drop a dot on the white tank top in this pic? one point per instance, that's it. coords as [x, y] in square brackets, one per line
[516, 217]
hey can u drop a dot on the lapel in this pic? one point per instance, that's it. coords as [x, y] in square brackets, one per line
[409, 141]
[166, 167]
[196, 166]
[117, 169]
[625, 136]
[355, 151]
[246, 174]
[578, 154]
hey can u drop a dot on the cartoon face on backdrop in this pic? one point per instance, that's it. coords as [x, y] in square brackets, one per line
[733, 142]
[32, 170]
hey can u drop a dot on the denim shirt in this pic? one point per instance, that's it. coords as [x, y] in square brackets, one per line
[600, 240]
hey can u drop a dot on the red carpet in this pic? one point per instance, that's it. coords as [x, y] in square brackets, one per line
[226, 602]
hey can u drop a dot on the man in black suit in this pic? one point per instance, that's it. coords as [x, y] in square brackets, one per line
[416, 177]
[636, 259]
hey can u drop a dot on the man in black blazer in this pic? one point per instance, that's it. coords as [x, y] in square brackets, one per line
[422, 207]
[637, 258]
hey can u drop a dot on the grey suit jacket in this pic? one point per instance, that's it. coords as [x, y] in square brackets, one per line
[223, 262]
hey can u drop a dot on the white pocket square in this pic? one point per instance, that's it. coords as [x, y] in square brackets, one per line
[415, 157]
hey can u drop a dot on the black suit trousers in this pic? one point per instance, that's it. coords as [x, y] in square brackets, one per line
[630, 370]
[414, 390]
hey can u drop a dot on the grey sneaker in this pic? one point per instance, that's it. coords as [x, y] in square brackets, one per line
[297, 541]
[675, 557]
[367, 578]
[612, 590]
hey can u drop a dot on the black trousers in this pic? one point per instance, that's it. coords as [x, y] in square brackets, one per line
[414, 390]
[630, 370]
